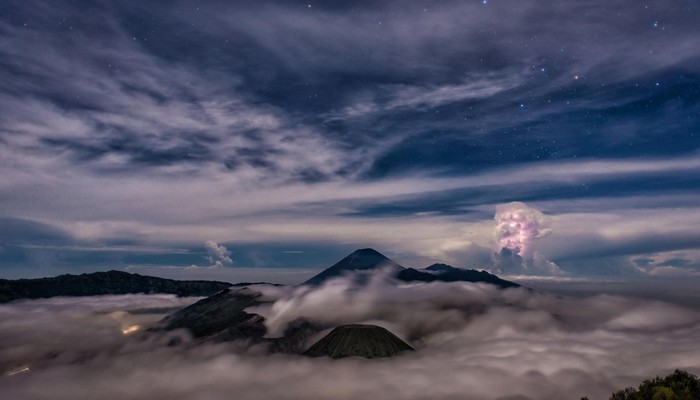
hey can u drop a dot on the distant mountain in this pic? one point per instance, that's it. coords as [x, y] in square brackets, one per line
[439, 267]
[359, 260]
[102, 283]
[370, 259]
[448, 273]
[367, 341]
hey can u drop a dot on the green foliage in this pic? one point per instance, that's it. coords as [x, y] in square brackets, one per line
[680, 385]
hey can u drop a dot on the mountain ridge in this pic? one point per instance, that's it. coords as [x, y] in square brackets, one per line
[369, 259]
[103, 283]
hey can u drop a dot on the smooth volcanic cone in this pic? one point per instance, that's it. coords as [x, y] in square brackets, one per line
[359, 260]
[357, 340]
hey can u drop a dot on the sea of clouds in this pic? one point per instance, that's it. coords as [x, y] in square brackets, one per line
[472, 340]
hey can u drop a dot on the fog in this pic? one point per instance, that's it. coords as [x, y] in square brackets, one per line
[473, 341]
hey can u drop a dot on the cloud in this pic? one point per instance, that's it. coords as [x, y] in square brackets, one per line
[81, 328]
[668, 270]
[425, 98]
[144, 113]
[608, 243]
[501, 344]
[219, 256]
[517, 227]
[416, 120]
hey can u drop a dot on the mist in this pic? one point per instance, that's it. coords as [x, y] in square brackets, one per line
[472, 340]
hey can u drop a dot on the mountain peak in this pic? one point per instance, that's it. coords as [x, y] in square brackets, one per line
[367, 250]
[440, 267]
[365, 259]
[358, 260]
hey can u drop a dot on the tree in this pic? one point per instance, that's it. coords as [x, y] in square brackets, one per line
[680, 385]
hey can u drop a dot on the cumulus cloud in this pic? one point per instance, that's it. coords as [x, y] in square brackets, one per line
[517, 227]
[471, 340]
[219, 256]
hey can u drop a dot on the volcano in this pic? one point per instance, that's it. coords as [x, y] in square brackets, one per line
[359, 260]
[368, 341]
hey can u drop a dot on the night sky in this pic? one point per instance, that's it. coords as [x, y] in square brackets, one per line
[524, 137]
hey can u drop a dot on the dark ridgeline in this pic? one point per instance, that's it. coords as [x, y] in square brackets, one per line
[118, 282]
[368, 341]
[103, 283]
[223, 317]
[448, 273]
[370, 259]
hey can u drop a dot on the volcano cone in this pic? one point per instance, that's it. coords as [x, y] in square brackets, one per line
[367, 341]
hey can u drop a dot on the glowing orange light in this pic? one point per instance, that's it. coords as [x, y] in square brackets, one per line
[131, 329]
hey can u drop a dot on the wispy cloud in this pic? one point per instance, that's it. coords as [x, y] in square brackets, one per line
[396, 97]
[162, 126]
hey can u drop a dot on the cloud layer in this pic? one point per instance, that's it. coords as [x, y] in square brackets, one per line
[471, 339]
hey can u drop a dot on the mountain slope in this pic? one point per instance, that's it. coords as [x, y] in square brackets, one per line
[357, 340]
[101, 283]
[218, 313]
[222, 318]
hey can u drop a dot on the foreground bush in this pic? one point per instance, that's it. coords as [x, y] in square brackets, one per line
[680, 385]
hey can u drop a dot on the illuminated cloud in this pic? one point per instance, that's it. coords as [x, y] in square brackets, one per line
[517, 227]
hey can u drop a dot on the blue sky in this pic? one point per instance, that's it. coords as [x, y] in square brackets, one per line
[291, 133]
